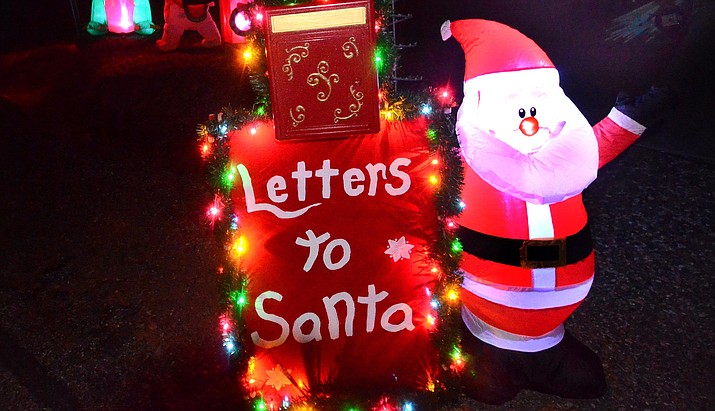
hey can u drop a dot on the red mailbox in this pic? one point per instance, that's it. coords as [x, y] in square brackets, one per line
[321, 60]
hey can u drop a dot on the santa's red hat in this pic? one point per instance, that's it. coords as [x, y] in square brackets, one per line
[491, 47]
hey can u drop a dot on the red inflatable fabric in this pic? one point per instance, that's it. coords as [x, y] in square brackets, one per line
[335, 235]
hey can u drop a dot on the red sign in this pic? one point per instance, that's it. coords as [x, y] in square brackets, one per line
[334, 238]
[322, 71]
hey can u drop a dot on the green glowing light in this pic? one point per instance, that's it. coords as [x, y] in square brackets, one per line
[379, 58]
[229, 176]
[239, 298]
[457, 246]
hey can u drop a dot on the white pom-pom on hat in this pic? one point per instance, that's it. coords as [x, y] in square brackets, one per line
[446, 30]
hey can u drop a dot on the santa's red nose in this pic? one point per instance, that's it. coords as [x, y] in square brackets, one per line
[529, 126]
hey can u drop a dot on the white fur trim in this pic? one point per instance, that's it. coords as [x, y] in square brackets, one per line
[544, 278]
[626, 122]
[528, 298]
[509, 341]
[513, 80]
[540, 223]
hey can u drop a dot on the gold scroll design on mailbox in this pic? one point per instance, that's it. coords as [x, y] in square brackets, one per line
[297, 119]
[321, 76]
[350, 49]
[295, 55]
[354, 108]
[357, 95]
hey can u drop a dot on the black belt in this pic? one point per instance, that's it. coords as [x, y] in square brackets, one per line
[527, 253]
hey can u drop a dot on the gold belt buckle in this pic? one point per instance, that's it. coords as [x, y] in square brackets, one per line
[543, 253]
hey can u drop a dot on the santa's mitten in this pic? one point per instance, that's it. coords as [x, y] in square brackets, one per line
[646, 109]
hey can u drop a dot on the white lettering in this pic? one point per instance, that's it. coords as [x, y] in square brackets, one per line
[251, 205]
[325, 173]
[300, 175]
[406, 323]
[351, 176]
[272, 295]
[333, 321]
[307, 327]
[313, 244]
[371, 301]
[274, 184]
[328, 254]
[354, 180]
[314, 334]
[396, 172]
[372, 170]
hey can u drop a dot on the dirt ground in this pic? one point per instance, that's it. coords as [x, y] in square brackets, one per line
[107, 275]
[108, 297]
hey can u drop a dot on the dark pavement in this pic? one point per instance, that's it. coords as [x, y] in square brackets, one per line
[108, 297]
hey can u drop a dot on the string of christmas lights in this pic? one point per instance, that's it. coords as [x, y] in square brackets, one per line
[435, 105]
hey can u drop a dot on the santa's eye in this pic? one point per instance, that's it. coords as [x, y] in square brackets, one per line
[522, 113]
[533, 111]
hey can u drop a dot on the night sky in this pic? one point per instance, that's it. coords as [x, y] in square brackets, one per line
[575, 35]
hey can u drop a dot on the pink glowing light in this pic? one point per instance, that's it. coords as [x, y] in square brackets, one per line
[215, 209]
[242, 21]
[120, 15]
[125, 22]
[225, 324]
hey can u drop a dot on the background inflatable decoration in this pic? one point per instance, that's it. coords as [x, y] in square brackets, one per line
[236, 20]
[120, 16]
[188, 15]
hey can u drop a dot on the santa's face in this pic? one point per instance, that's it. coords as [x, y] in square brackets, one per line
[527, 138]
[525, 119]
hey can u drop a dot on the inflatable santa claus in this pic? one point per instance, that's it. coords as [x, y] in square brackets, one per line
[528, 258]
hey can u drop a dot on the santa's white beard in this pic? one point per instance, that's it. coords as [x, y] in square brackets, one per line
[561, 169]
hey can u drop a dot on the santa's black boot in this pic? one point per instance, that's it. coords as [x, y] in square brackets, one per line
[492, 375]
[569, 370]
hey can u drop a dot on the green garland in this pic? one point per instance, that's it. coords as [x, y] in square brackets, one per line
[445, 250]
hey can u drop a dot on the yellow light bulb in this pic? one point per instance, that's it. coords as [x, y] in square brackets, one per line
[240, 246]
